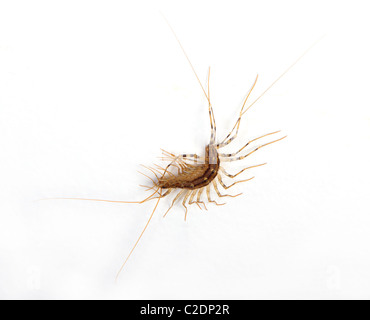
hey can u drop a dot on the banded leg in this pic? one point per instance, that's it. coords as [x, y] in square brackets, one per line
[174, 200]
[248, 154]
[190, 155]
[227, 140]
[226, 155]
[208, 190]
[193, 158]
[223, 195]
[227, 187]
[235, 175]
[210, 110]
[183, 156]
[182, 159]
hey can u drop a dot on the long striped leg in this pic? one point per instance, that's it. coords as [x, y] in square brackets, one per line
[227, 140]
[188, 192]
[210, 110]
[227, 187]
[208, 190]
[193, 160]
[223, 195]
[174, 200]
[182, 163]
[248, 154]
[190, 157]
[235, 175]
[225, 155]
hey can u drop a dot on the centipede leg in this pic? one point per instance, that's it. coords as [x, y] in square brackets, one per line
[208, 191]
[223, 195]
[227, 187]
[174, 200]
[229, 159]
[235, 175]
[210, 110]
[199, 196]
[187, 194]
[161, 168]
[191, 199]
[247, 144]
[182, 158]
[227, 140]
[164, 194]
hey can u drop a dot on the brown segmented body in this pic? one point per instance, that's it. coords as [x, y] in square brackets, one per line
[194, 176]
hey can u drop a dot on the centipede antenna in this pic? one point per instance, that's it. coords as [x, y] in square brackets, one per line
[284, 73]
[103, 200]
[192, 67]
[186, 56]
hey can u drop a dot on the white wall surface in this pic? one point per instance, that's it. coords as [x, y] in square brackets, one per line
[89, 90]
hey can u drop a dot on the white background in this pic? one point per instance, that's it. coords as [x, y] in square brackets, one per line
[91, 89]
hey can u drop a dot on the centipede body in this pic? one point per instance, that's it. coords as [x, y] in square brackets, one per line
[189, 176]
